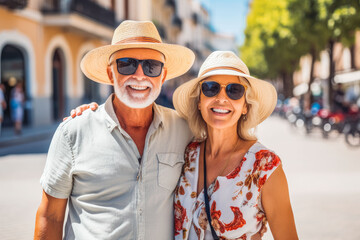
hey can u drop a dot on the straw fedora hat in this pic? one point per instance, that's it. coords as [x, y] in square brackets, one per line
[136, 34]
[226, 63]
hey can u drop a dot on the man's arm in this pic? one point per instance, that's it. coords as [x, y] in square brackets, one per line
[80, 109]
[50, 218]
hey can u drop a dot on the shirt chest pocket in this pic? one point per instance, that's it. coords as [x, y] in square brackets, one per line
[170, 165]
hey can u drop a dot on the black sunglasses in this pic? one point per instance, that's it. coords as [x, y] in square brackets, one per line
[235, 91]
[128, 66]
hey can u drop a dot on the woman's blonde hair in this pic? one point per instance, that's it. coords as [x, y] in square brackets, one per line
[246, 124]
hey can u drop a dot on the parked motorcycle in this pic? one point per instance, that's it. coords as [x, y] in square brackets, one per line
[331, 122]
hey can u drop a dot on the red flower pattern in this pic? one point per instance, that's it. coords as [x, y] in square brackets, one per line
[249, 195]
[236, 223]
[244, 197]
[265, 160]
[181, 190]
[243, 237]
[236, 171]
[261, 182]
[180, 216]
[192, 146]
[216, 186]
[238, 220]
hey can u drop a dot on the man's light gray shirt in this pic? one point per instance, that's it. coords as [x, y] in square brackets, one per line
[94, 163]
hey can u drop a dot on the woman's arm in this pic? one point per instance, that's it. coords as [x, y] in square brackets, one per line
[276, 203]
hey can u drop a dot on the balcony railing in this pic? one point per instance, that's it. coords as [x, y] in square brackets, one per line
[85, 8]
[170, 3]
[14, 4]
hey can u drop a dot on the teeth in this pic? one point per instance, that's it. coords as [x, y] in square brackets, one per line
[138, 87]
[217, 110]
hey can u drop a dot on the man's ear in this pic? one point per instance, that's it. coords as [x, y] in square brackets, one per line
[164, 76]
[109, 73]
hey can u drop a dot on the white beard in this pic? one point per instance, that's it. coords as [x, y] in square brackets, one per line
[134, 99]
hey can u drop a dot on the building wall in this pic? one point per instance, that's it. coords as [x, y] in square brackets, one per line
[342, 57]
[39, 35]
[38, 44]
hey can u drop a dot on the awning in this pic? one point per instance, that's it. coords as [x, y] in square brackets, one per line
[347, 77]
[300, 89]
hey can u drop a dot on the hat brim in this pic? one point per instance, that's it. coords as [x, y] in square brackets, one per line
[263, 92]
[178, 59]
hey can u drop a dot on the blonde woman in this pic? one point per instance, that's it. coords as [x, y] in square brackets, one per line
[231, 184]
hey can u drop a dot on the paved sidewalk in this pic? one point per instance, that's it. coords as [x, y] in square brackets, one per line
[323, 177]
[29, 134]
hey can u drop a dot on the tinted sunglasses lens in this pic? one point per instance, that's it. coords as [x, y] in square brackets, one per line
[210, 89]
[152, 68]
[126, 66]
[235, 91]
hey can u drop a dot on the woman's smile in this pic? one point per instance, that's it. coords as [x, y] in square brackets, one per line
[220, 111]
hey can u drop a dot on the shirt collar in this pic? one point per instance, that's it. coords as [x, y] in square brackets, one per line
[110, 116]
[112, 120]
[158, 116]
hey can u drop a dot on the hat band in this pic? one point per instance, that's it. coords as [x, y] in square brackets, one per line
[222, 68]
[139, 39]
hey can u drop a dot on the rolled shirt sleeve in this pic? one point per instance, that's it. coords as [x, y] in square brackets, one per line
[56, 179]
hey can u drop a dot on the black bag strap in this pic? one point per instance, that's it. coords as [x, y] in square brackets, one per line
[207, 207]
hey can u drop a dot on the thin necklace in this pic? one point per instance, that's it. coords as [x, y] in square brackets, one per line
[228, 160]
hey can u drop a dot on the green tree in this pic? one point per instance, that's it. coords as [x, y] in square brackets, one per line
[279, 32]
[342, 18]
[270, 48]
[310, 31]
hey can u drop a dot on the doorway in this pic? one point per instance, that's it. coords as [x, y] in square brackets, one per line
[13, 72]
[58, 85]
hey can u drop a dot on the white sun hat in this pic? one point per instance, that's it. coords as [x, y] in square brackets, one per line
[226, 63]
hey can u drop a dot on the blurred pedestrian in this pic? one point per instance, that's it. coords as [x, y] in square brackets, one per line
[17, 99]
[339, 99]
[2, 104]
[231, 184]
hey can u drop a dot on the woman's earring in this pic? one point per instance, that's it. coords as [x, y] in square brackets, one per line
[244, 117]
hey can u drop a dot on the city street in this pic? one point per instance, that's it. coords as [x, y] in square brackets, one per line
[323, 177]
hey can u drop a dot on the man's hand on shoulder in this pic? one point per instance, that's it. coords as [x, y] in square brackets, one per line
[80, 109]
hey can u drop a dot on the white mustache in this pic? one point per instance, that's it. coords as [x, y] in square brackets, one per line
[143, 83]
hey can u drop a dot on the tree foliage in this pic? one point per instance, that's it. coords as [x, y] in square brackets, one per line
[269, 41]
[270, 48]
[342, 19]
[280, 32]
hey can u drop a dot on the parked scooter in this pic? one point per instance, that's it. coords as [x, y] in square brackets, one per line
[311, 118]
[331, 121]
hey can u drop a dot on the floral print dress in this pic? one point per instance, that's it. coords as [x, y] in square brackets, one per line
[234, 199]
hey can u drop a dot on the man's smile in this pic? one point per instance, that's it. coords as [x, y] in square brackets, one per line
[138, 88]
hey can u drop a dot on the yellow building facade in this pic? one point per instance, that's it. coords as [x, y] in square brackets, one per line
[43, 41]
[41, 45]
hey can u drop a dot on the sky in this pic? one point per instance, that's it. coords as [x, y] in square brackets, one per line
[228, 16]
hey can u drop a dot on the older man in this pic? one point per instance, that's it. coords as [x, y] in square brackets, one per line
[117, 167]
